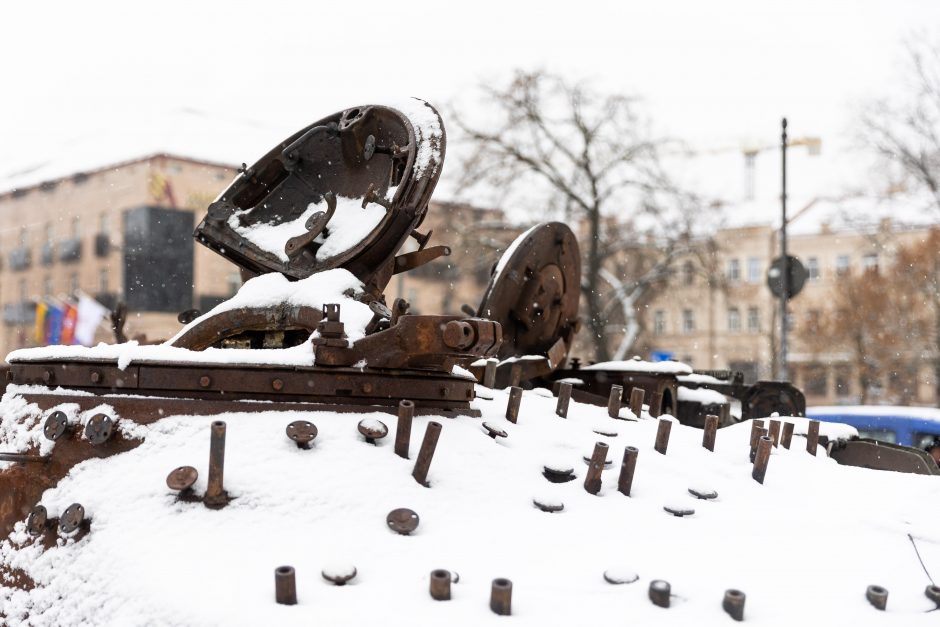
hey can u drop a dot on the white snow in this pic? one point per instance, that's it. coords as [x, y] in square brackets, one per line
[923, 413]
[428, 130]
[698, 378]
[803, 546]
[639, 365]
[701, 395]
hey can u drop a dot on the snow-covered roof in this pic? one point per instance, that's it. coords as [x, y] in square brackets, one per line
[803, 546]
[901, 411]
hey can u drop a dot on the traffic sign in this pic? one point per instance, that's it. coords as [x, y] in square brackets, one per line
[796, 279]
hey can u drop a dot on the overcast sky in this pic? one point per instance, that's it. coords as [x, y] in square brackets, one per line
[714, 73]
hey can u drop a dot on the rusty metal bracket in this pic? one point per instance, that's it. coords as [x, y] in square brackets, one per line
[414, 259]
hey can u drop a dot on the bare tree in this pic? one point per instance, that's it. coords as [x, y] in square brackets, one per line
[906, 130]
[592, 161]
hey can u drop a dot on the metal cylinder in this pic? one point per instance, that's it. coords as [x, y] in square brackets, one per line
[515, 375]
[564, 398]
[613, 401]
[215, 493]
[512, 407]
[406, 411]
[656, 404]
[659, 592]
[636, 401]
[501, 597]
[440, 585]
[627, 468]
[662, 435]
[592, 480]
[787, 435]
[733, 604]
[489, 374]
[774, 432]
[812, 437]
[877, 596]
[761, 459]
[285, 585]
[426, 452]
[711, 430]
[759, 433]
[755, 425]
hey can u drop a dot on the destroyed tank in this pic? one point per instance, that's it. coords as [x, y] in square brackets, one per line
[108, 520]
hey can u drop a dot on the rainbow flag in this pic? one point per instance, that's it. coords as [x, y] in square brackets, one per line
[39, 330]
[69, 319]
[54, 318]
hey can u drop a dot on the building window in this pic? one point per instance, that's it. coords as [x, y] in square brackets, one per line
[843, 380]
[753, 320]
[815, 381]
[870, 262]
[688, 273]
[842, 265]
[753, 270]
[688, 321]
[812, 267]
[659, 322]
[734, 320]
[734, 270]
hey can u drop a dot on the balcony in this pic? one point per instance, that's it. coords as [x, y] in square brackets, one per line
[102, 244]
[47, 254]
[70, 250]
[19, 313]
[20, 259]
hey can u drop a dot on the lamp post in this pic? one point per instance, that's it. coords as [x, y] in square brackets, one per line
[782, 368]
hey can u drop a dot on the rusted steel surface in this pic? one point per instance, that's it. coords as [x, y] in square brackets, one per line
[402, 520]
[866, 453]
[627, 468]
[426, 453]
[636, 401]
[361, 152]
[249, 327]
[534, 293]
[614, 399]
[710, 432]
[762, 459]
[513, 404]
[564, 399]
[787, 435]
[501, 597]
[406, 411]
[597, 384]
[440, 585]
[662, 435]
[216, 497]
[372, 430]
[592, 480]
[774, 431]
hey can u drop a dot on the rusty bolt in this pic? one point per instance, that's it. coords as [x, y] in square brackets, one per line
[98, 429]
[182, 478]
[592, 481]
[659, 592]
[278, 385]
[733, 604]
[812, 437]
[372, 430]
[501, 597]
[205, 380]
[787, 434]
[37, 520]
[494, 431]
[458, 334]
[440, 585]
[877, 596]
[339, 575]
[285, 585]
[627, 468]
[55, 425]
[95, 376]
[216, 497]
[302, 432]
[774, 432]
[72, 518]
[662, 435]
[613, 401]
[513, 404]
[711, 427]
[761, 459]
[406, 411]
[402, 520]
[564, 399]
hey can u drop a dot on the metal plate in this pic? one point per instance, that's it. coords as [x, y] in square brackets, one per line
[883, 456]
[402, 520]
[376, 432]
[72, 518]
[99, 428]
[535, 293]
[351, 153]
[182, 478]
[55, 425]
[302, 432]
[36, 521]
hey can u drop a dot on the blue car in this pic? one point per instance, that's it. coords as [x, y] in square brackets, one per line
[909, 426]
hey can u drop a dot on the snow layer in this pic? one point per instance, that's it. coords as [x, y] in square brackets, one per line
[429, 132]
[638, 365]
[924, 413]
[803, 546]
[701, 395]
[266, 290]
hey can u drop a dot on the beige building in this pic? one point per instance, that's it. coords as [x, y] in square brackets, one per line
[718, 312]
[118, 233]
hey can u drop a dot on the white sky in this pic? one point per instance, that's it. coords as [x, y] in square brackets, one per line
[114, 78]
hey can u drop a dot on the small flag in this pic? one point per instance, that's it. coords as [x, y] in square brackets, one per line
[68, 324]
[90, 313]
[54, 325]
[39, 330]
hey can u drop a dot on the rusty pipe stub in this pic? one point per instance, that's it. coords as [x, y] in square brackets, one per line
[285, 585]
[733, 604]
[216, 497]
[501, 596]
[440, 585]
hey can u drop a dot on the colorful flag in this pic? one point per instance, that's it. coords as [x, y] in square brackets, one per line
[68, 323]
[90, 313]
[39, 330]
[54, 319]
